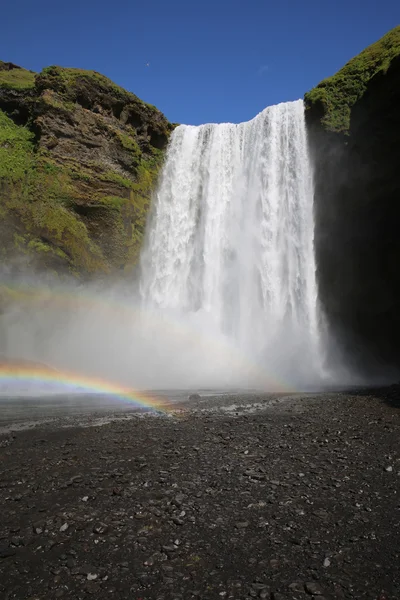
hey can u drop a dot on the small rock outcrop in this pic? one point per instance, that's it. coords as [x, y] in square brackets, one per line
[353, 121]
[78, 160]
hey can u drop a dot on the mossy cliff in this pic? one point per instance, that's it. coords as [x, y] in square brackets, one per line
[79, 157]
[353, 121]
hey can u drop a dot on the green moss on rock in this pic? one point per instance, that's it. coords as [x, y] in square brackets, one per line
[113, 202]
[67, 80]
[16, 149]
[111, 176]
[89, 88]
[50, 98]
[14, 77]
[79, 157]
[334, 97]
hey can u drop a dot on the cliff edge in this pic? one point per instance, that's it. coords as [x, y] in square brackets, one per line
[79, 157]
[353, 121]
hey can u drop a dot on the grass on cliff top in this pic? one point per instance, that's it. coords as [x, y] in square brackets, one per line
[39, 196]
[16, 78]
[71, 77]
[338, 93]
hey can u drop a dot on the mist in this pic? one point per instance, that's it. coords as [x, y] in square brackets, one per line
[107, 334]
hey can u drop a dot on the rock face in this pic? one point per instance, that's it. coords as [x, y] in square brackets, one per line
[78, 160]
[354, 124]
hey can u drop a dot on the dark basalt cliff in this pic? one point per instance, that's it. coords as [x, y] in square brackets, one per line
[78, 159]
[353, 120]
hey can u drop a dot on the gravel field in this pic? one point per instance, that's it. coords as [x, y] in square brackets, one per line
[232, 496]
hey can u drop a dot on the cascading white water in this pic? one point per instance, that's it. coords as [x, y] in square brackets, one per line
[231, 239]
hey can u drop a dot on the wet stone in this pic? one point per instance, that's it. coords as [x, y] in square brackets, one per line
[87, 569]
[100, 528]
[242, 524]
[258, 586]
[313, 589]
[6, 551]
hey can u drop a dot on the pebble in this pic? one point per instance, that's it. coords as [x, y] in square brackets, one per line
[100, 528]
[170, 548]
[178, 500]
[76, 479]
[258, 586]
[242, 524]
[87, 569]
[313, 589]
[296, 587]
[6, 552]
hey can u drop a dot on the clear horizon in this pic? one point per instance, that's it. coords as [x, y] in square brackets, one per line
[198, 63]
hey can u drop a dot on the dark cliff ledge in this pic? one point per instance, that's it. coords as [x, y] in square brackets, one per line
[331, 101]
[78, 159]
[354, 138]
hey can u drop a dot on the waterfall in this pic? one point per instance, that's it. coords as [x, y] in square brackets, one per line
[230, 239]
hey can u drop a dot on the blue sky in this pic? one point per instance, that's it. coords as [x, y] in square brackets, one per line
[210, 60]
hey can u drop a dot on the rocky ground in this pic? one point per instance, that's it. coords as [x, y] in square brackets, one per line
[293, 499]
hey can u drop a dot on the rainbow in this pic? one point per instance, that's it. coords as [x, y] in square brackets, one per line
[22, 371]
[47, 297]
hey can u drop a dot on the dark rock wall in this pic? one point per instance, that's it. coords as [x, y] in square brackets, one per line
[357, 208]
